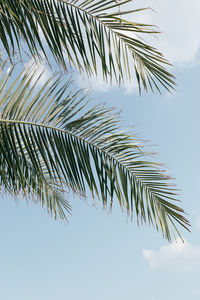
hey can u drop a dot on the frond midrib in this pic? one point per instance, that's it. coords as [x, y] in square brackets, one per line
[115, 32]
[98, 20]
[85, 141]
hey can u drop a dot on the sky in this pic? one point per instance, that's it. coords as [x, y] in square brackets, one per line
[105, 256]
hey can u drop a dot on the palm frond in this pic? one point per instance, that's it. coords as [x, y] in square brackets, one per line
[50, 137]
[82, 33]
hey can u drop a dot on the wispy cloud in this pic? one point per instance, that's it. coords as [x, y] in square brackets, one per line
[42, 68]
[98, 84]
[177, 256]
[178, 21]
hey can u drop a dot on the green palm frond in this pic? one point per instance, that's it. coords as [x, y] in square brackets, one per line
[86, 32]
[49, 137]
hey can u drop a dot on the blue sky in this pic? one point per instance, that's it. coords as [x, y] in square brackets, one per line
[105, 256]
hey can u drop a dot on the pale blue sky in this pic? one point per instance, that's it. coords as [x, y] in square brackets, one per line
[100, 256]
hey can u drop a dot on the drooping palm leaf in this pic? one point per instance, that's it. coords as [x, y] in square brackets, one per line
[18, 173]
[50, 138]
[93, 35]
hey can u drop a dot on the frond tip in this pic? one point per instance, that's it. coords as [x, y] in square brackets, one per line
[51, 138]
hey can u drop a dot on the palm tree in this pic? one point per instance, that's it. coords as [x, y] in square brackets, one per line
[81, 33]
[52, 139]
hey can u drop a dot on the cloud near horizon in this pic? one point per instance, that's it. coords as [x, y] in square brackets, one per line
[178, 256]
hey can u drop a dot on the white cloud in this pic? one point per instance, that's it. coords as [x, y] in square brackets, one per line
[179, 22]
[42, 69]
[177, 256]
[98, 84]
